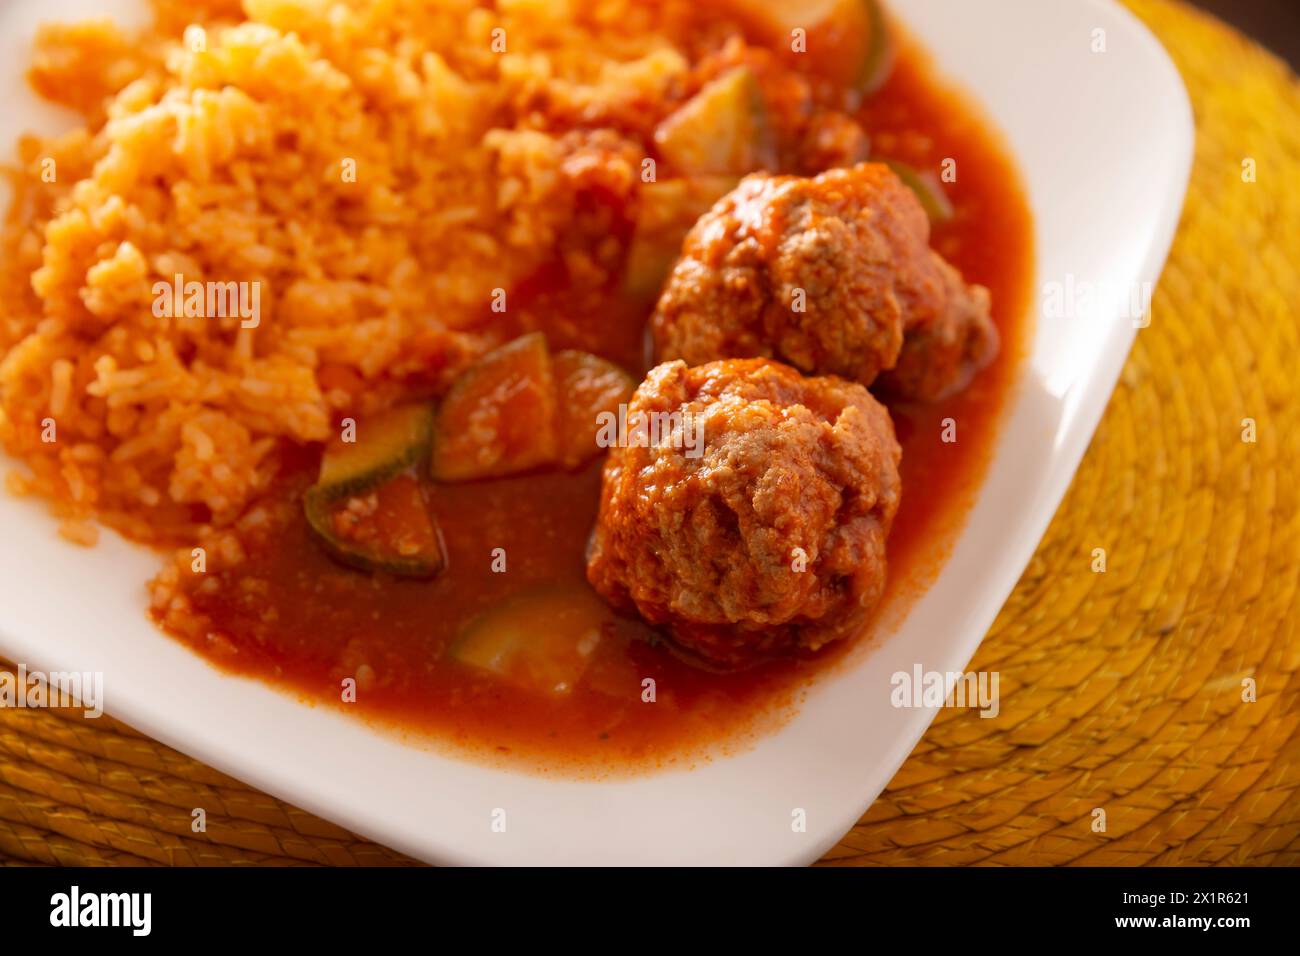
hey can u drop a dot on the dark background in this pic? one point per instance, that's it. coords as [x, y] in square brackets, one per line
[1274, 23]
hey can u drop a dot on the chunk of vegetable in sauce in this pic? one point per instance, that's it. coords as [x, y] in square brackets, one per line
[366, 508]
[722, 130]
[928, 189]
[666, 212]
[499, 416]
[519, 408]
[588, 390]
[382, 445]
[846, 41]
[385, 528]
[542, 640]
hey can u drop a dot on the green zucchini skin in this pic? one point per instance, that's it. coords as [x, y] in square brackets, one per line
[880, 56]
[404, 438]
[317, 506]
[387, 445]
[933, 199]
[513, 389]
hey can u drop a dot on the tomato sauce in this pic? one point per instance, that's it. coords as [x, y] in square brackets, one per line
[293, 616]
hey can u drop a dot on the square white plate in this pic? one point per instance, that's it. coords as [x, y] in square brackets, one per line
[1104, 141]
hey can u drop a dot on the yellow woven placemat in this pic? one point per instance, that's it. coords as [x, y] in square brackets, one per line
[1121, 691]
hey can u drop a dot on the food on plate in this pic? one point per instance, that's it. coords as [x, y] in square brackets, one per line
[588, 389]
[369, 452]
[928, 190]
[721, 130]
[519, 408]
[350, 308]
[831, 274]
[384, 528]
[854, 34]
[367, 506]
[767, 537]
[946, 348]
[499, 416]
[507, 641]
[666, 211]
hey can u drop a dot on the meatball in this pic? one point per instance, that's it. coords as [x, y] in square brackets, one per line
[766, 538]
[941, 355]
[832, 274]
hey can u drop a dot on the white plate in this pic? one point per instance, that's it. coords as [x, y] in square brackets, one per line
[1104, 141]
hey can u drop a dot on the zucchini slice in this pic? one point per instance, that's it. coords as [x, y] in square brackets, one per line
[667, 211]
[928, 189]
[542, 639]
[499, 416]
[586, 387]
[384, 528]
[848, 41]
[879, 60]
[385, 444]
[365, 509]
[722, 130]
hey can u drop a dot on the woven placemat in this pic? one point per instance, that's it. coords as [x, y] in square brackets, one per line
[1120, 691]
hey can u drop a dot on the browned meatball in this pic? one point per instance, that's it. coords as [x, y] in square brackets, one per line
[770, 540]
[943, 353]
[830, 274]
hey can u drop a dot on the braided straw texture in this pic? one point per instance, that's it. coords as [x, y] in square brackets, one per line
[1120, 691]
